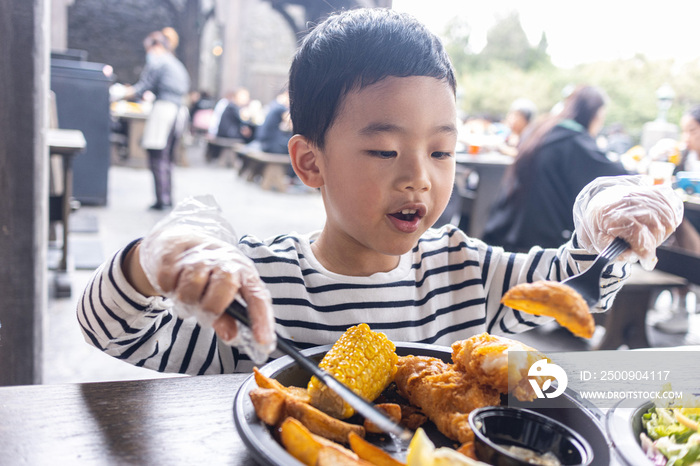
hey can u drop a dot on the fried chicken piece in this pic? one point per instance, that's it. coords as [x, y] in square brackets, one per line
[443, 393]
[484, 358]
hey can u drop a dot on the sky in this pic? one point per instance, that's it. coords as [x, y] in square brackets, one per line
[579, 32]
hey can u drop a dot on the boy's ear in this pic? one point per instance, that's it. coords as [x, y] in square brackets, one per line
[304, 156]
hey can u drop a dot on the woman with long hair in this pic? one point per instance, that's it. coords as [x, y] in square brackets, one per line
[555, 161]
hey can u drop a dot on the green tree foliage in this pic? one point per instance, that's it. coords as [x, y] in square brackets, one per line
[506, 41]
[456, 39]
[510, 67]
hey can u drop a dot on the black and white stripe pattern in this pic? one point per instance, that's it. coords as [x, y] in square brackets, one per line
[447, 288]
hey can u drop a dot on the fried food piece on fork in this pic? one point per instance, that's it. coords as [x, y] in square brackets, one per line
[553, 299]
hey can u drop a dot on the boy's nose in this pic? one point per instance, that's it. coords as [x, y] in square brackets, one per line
[414, 175]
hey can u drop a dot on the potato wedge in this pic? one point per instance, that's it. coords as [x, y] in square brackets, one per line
[305, 446]
[299, 393]
[553, 299]
[299, 442]
[266, 382]
[393, 412]
[371, 453]
[330, 456]
[321, 423]
[269, 405]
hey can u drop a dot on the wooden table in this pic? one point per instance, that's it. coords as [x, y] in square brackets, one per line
[66, 143]
[625, 321]
[182, 420]
[692, 203]
[490, 167]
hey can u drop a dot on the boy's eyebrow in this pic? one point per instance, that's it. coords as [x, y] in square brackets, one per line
[374, 128]
[378, 127]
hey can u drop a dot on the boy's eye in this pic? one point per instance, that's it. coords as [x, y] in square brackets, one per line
[441, 155]
[384, 154]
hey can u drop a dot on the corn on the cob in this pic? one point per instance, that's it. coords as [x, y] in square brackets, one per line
[363, 360]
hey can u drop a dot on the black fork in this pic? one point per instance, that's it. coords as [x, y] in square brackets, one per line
[588, 282]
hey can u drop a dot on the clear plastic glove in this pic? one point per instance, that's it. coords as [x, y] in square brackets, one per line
[629, 207]
[191, 257]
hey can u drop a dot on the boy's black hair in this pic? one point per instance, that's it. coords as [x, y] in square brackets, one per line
[352, 50]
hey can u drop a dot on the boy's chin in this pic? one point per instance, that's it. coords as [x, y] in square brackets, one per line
[399, 248]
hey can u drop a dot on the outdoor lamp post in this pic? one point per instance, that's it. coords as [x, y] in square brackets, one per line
[654, 131]
[664, 97]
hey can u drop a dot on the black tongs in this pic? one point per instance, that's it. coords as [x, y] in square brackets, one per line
[362, 406]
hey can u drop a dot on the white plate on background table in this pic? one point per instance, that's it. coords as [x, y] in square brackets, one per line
[624, 424]
[572, 411]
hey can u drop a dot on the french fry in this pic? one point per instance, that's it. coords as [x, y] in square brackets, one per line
[269, 405]
[371, 453]
[393, 412]
[266, 382]
[275, 403]
[321, 423]
[300, 393]
[305, 446]
[330, 456]
[299, 442]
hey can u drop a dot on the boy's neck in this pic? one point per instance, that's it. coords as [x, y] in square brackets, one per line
[351, 259]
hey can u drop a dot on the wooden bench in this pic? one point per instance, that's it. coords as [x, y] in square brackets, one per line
[229, 149]
[271, 169]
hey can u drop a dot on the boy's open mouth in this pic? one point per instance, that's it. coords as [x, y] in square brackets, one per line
[406, 215]
[407, 220]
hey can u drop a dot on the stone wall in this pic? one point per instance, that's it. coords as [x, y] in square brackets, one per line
[112, 33]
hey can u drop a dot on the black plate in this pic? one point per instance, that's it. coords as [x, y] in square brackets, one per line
[624, 424]
[571, 411]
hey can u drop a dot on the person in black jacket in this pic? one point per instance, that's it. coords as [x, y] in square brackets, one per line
[230, 123]
[556, 160]
[273, 135]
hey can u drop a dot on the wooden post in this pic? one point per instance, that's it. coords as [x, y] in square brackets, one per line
[24, 84]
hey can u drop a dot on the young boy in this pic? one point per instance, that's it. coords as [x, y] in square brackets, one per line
[373, 107]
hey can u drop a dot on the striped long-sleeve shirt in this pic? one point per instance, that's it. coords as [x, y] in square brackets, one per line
[447, 288]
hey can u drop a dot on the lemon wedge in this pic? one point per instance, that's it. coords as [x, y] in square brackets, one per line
[422, 452]
[444, 456]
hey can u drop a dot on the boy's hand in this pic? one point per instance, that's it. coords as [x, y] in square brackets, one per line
[629, 207]
[195, 262]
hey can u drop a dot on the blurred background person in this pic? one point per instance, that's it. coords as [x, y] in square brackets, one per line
[520, 115]
[167, 79]
[201, 108]
[274, 133]
[173, 38]
[555, 160]
[227, 121]
[615, 140]
[675, 319]
[690, 137]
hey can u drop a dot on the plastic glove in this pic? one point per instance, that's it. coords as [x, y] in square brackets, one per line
[629, 207]
[192, 258]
